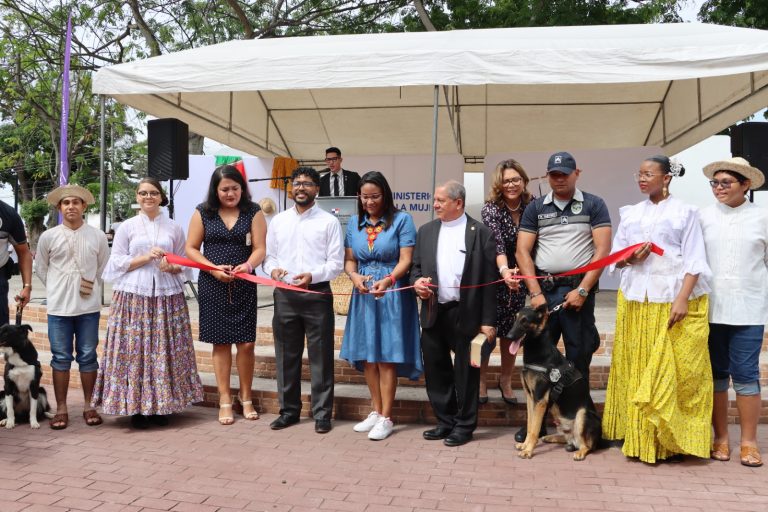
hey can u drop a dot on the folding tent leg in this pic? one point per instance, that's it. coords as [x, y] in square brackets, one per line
[434, 149]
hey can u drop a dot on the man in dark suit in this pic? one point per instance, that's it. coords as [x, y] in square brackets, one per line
[451, 251]
[338, 182]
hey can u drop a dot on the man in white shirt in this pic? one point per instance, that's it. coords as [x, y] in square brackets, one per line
[304, 248]
[453, 251]
[70, 258]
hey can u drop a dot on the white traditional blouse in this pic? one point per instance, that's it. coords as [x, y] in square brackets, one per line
[136, 237]
[674, 226]
[737, 251]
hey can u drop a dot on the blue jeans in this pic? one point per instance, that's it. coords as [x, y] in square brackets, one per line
[69, 333]
[734, 351]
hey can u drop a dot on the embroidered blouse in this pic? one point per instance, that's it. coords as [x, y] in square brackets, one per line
[737, 250]
[135, 237]
[674, 226]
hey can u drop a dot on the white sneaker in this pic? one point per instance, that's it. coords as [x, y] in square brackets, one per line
[381, 430]
[368, 423]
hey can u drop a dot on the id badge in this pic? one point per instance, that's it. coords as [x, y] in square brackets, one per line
[248, 239]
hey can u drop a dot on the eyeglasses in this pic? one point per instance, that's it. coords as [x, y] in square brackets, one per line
[331, 159]
[512, 181]
[303, 184]
[722, 183]
[372, 197]
[645, 176]
[150, 193]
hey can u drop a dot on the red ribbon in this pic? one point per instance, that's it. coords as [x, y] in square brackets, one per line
[598, 264]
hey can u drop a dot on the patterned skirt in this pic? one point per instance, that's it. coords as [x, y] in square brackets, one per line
[659, 397]
[148, 366]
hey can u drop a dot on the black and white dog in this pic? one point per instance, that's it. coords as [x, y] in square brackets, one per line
[21, 392]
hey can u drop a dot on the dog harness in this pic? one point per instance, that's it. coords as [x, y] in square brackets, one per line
[559, 376]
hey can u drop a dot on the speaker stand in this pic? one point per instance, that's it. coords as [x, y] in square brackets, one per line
[170, 199]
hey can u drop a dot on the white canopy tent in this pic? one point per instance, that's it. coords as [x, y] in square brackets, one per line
[521, 89]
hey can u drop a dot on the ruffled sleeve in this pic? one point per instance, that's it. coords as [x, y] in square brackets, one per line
[621, 239]
[692, 247]
[120, 259]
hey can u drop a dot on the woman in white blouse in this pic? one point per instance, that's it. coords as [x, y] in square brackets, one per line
[148, 369]
[659, 389]
[736, 237]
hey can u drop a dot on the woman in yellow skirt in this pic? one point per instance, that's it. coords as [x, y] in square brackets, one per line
[659, 398]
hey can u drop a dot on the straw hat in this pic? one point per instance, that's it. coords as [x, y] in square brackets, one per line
[739, 165]
[267, 206]
[56, 195]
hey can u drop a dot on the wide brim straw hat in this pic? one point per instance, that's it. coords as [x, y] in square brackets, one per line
[56, 195]
[739, 165]
[267, 205]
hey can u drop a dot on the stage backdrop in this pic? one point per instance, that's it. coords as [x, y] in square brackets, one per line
[409, 177]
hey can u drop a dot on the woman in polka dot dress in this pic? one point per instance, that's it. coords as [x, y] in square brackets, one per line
[231, 229]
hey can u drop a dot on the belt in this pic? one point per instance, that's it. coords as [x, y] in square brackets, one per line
[319, 286]
[447, 305]
[550, 282]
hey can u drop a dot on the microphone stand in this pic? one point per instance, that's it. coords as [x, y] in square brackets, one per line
[286, 180]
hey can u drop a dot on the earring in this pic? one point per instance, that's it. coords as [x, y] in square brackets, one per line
[664, 191]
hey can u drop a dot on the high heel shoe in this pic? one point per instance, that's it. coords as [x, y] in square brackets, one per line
[253, 415]
[226, 419]
[509, 401]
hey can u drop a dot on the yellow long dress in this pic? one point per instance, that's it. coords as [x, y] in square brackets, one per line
[659, 397]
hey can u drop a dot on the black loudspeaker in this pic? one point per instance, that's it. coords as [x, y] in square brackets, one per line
[750, 141]
[168, 149]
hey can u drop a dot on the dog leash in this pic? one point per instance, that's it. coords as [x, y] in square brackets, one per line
[19, 311]
[557, 308]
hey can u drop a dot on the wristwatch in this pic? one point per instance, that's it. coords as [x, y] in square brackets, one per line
[583, 292]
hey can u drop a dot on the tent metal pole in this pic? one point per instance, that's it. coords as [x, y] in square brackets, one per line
[434, 150]
[102, 171]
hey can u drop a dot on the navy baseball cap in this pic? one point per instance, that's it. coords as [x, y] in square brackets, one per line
[561, 162]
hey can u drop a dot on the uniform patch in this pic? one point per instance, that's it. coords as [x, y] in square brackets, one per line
[563, 220]
[576, 207]
[543, 216]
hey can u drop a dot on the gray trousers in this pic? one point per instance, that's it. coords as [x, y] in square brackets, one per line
[299, 315]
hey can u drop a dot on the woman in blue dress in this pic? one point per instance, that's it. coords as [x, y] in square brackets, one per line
[381, 338]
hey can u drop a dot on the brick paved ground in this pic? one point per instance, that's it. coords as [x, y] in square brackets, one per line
[196, 465]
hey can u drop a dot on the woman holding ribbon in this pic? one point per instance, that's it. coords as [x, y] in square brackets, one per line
[381, 337]
[232, 232]
[736, 238]
[148, 369]
[501, 213]
[659, 397]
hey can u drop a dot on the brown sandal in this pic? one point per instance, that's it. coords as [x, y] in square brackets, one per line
[720, 451]
[92, 417]
[750, 456]
[60, 421]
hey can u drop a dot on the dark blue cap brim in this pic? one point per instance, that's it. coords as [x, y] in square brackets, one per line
[564, 170]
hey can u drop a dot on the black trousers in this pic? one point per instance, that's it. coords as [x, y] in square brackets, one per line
[3, 299]
[577, 328]
[299, 315]
[452, 386]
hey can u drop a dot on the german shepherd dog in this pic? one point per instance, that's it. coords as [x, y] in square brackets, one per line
[22, 392]
[550, 380]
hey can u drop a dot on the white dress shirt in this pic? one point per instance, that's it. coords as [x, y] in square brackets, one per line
[305, 242]
[674, 226]
[333, 176]
[737, 250]
[451, 255]
[136, 237]
[63, 257]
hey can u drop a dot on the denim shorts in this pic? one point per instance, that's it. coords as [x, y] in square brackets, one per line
[79, 334]
[734, 351]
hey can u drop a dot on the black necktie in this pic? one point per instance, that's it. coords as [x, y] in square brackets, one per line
[336, 185]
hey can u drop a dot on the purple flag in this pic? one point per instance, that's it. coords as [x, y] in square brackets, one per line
[64, 160]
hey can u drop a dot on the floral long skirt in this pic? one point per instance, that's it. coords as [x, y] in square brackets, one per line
[659, 397]
[148, 366]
